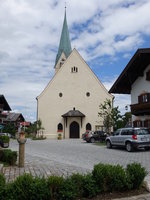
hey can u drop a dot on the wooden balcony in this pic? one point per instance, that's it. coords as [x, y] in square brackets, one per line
[2, 116]
[140, 109]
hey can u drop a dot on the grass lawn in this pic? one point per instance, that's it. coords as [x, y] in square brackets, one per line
[100, 143]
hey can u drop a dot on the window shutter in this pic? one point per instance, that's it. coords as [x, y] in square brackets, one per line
[134, 124]
[140, 99]
[146, 123]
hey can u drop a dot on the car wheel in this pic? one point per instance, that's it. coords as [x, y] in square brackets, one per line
[147, 148]
[108, 144]
[92, 140]
[129, 147]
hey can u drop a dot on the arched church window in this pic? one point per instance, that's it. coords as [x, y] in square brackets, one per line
[60, 127]
[88, 127]
[74, 69]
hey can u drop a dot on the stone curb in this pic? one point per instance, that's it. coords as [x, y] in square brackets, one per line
[138, 197]
[147, 185]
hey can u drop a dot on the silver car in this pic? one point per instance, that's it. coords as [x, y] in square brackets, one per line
[130, 138]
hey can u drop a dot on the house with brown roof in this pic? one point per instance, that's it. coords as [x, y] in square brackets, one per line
[135, 80]
[4, 106]
[14, 118]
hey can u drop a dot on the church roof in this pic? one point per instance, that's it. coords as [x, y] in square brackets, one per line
[64, 44]
[73, 113]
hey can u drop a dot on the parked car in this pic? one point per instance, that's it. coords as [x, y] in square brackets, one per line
[93, 136]
[130, 138]
[8, 134]
[85, 135]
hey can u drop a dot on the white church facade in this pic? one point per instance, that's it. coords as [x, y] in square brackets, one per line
[70, 102]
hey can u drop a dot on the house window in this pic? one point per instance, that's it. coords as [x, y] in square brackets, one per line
[137, 123]
[143, 98]
[74, 69]
[88, 127]
[148, 75]
[60, 127]
[147, 123]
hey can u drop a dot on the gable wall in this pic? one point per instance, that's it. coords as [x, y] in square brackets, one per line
[74, 87]
[140, 86]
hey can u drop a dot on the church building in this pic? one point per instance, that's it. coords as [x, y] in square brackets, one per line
[69, 104]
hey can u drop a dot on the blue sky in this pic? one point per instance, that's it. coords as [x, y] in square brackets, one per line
[106, 34]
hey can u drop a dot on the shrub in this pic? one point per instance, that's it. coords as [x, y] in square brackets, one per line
[136, 174]
[54, 184]
[40, 189]
[9, 156]
[21, 188]
[78, 180]
[109, 177]
[4, 138]
[89, 186]
[2, 184]
[104, 178]
[68, 191]
[1, 154]
[26, 187]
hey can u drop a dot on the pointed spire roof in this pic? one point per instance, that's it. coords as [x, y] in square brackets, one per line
[64, 44]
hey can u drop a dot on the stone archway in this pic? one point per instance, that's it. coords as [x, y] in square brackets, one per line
[74, 130]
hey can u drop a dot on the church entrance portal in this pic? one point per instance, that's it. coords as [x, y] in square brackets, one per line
[74, 130]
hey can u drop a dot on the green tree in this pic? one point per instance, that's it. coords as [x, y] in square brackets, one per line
[10, 128]
[32, 129]
[126, 118]
[109, 115]
[36, 129]
[39, 127]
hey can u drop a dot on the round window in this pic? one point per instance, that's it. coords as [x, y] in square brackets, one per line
[87, 94]
[60, 94]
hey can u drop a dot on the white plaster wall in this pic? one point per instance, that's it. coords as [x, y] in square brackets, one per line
[74, 87]
[141, 85]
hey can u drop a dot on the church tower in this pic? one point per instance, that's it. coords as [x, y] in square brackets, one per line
[64, 49]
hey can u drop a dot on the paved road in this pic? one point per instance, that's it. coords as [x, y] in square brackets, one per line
[64, 157]
[79, 154]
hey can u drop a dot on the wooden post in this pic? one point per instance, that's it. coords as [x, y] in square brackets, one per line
[21, 141]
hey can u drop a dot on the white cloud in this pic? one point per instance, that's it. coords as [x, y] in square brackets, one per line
[30, 32]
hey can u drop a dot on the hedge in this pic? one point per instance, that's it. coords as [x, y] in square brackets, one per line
[5, 138]
[8, 156]
[104, 178]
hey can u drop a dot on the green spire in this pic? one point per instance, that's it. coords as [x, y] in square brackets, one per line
[64, 44]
